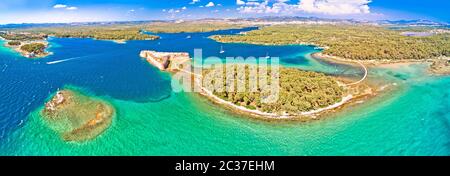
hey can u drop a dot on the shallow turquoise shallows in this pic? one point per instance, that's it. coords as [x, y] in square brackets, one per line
[151, 119]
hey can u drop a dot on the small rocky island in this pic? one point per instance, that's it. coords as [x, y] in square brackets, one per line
[27, 44]
[77, 117]
[30, 49]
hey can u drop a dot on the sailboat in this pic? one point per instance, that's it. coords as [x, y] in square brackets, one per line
[267, 55]
[188, 37]
[221, 50]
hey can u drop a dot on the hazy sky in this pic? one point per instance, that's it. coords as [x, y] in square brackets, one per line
[55, 11]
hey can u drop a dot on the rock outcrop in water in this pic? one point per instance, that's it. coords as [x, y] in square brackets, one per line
[77, 117]
[441, 66]
[166, 61]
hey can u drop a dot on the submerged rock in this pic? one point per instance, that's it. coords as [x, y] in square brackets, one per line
[77, 117]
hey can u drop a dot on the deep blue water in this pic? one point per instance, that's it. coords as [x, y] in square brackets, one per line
[109, 69]
[153, 120]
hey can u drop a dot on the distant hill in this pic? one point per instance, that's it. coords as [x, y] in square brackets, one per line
[413, 23]
[267, 19]
[34, 25]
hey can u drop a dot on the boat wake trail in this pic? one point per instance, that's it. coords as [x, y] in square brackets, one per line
[4, 68]
[69, 59]
[63, 60]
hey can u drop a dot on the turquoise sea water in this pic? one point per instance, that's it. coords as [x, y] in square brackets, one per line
[151, 119]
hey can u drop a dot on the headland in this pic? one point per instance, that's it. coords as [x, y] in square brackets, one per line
[166, 61]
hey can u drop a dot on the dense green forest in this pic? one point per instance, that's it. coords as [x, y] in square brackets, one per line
[23, 36]
[37, 48]
[193, 26]
[97, 32]
[14, 43]
[361, 42]
[300, 91]
[119, 32]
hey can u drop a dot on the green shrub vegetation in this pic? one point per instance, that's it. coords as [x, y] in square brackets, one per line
[168, 27]
[97, 32]
[14, 43]
[23, 36]
[360, 42]
[123, 31]
[300, 91]
[37, 48]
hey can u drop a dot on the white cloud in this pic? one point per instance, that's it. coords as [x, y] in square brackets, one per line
[328, 7]
[72, 8]
[194, 1]
[59, 6]
[272, 6]
[64, 6]
[210, 4]
[183, 8]
[335, 7]
[173, 11]
[240, 2]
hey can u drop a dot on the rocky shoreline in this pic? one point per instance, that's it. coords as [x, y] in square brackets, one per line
[166, 61]
[441, 66]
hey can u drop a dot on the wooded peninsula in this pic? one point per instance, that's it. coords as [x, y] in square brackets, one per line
[357, 42]
[300, 91]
